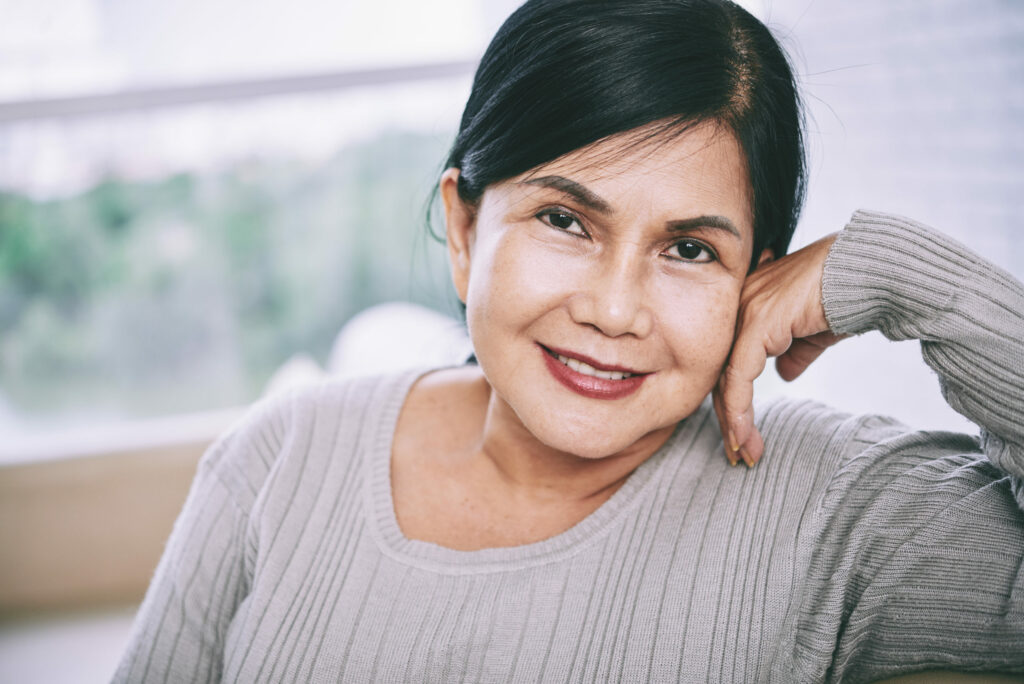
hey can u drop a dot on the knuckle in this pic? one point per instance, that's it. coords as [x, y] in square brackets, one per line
[777, 342]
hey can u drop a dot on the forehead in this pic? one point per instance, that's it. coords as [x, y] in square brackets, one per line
[699, 169]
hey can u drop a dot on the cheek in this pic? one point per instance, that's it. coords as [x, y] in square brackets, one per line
[699, 320]
[514, 278]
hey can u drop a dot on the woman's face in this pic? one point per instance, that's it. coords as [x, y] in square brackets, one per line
[628, 259]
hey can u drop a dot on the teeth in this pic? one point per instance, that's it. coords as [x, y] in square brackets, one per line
[587, 369]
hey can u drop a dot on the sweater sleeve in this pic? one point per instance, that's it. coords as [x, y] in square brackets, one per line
[206, 569]
[917, 558]
[908, 281]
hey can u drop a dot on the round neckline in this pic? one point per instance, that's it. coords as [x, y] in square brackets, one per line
[383, 522]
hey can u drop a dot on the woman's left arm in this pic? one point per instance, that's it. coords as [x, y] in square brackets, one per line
[887, 273]
[915, 548]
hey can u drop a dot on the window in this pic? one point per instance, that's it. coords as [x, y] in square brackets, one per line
[240, 188]
[186, 201]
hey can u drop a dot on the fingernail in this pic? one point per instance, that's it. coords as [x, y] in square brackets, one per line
[732, 441]
[746, 457]
[729, 456]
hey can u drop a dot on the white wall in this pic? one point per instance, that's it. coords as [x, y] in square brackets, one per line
[915, 108]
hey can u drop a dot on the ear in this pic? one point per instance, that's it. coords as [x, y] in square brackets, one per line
[460, 221]
[766, 256]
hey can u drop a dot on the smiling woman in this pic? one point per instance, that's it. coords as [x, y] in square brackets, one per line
[615, 270]
[618, 206]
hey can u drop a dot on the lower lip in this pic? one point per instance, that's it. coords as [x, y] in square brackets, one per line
[589, 386]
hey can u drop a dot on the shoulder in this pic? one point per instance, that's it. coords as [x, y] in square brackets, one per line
[443, 410]
[802, 424]
[874, 474]
[869, 453]
[874, 483]
[307, 425]
[804, 428]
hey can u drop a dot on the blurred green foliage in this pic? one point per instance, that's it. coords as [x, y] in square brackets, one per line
[186, 293]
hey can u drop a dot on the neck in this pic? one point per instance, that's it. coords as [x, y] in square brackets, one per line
[530, 469]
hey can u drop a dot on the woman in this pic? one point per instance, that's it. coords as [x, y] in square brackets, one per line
[620, 196]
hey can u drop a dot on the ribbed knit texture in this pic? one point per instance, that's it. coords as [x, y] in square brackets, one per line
[856, 550]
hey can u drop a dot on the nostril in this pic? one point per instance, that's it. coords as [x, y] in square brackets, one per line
[612, 303]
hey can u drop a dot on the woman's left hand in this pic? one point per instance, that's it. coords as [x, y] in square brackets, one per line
[780, 314]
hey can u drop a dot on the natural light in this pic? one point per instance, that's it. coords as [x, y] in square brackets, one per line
[197, 197]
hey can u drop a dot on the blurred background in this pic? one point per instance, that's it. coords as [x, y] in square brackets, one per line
[197, 194]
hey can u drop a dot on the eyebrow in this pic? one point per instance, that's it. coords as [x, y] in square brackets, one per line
[574, 189]
[703, 222]
[590, 199]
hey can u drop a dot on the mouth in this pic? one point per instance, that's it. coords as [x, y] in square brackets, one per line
[590, 378]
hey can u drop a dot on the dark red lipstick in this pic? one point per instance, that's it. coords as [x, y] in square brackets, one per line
[588, 385]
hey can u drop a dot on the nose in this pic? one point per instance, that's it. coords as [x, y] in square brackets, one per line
[612, 297]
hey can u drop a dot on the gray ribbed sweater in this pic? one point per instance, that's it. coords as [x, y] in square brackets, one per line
[856, 550]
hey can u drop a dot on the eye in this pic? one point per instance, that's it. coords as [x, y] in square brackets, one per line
[691, 251]
[562, 220]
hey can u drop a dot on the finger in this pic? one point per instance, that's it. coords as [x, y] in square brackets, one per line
[753, 448]
[750, 449]
[746, 363]
[716, 402]
[796, 359]
[727, 435]
[826, 339]
[803, 352]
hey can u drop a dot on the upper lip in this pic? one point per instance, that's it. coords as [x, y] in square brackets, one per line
[593, 362]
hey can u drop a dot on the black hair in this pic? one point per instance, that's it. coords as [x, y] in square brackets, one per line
[562, 74]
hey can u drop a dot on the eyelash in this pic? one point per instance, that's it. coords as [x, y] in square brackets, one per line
[696, 243]
[545, 217]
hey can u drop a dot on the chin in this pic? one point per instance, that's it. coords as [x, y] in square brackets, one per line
[585, 439]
